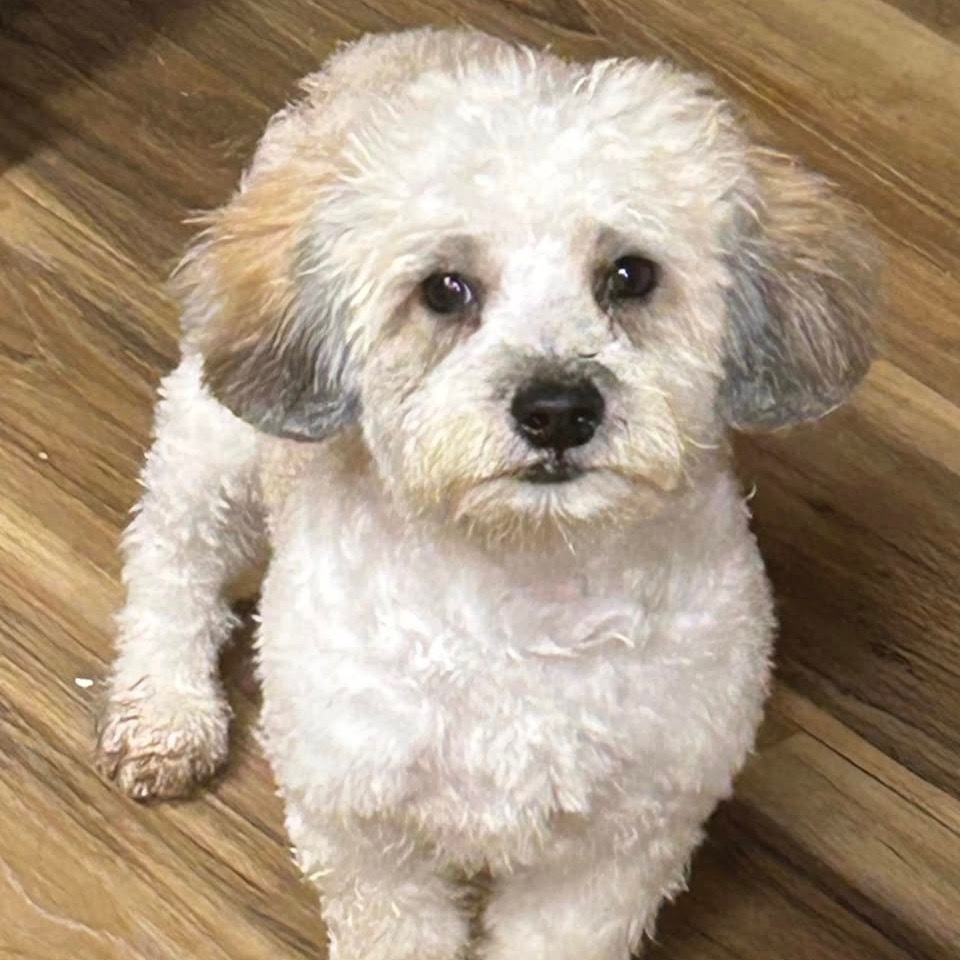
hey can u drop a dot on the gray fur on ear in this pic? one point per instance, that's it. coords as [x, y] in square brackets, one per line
[291, 384]
[804, 288]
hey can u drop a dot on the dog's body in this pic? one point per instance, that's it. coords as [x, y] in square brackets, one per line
[514, 618]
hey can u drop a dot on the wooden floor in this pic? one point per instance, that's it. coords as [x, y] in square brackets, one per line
[120, 117]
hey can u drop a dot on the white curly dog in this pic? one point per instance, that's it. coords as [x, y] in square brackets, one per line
[463, 350]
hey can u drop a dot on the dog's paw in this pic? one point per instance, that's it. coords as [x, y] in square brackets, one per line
[160, 745]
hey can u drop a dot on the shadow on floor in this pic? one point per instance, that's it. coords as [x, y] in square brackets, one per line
[49, 48]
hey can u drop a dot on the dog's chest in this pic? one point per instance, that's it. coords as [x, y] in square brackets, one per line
[483, 700]
[511, 707]
[483, 690]
[526, 694]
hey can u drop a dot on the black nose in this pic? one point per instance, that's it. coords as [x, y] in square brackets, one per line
[557, 415]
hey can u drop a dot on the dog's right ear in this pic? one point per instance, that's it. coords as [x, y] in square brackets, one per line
[274, 347]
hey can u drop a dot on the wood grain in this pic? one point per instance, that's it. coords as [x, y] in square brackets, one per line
[122, 118]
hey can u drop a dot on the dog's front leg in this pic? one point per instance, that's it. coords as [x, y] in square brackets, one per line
[593, 901]
[164, 726]
[384, 897]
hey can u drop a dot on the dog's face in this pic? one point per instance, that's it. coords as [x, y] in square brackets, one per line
[541, 290]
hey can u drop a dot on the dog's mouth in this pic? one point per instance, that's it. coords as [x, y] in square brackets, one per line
[555, 470]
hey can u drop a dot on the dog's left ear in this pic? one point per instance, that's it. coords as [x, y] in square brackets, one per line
[804, 286]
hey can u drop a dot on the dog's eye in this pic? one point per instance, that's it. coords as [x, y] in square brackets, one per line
[631, 278]
[447, 293]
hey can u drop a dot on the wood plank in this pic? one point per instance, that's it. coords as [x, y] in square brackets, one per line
[830, 850]
[900, 869]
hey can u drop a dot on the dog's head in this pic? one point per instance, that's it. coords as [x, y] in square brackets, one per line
[538, 289]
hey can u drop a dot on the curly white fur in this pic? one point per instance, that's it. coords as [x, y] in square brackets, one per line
[463, 670]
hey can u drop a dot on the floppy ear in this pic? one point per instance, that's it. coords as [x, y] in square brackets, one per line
[804, 287]
[274, 352]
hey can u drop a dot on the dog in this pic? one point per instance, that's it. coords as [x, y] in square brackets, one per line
[464, 352]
